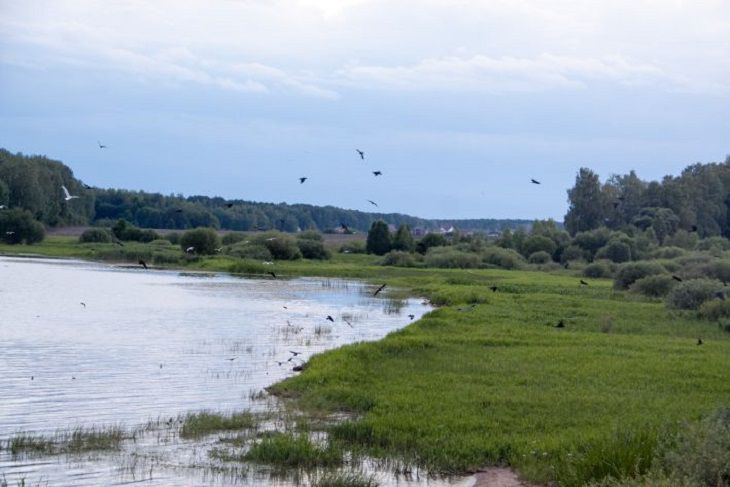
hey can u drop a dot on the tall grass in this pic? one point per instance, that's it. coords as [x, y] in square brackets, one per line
[203, 423]
[78, 440]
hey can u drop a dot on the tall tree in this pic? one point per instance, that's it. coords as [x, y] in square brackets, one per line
[378, 241]
[587, 204]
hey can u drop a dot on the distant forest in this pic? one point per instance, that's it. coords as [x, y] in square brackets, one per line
[34, 183]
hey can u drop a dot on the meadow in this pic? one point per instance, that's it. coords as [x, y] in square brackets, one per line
[564, 382]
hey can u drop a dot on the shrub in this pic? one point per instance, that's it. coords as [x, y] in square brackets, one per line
[572, 252]
[691, 294]
[683, 239]
[715, 310]
[310, 235]
[615, 251]
[448, 258]
[540, 257]
[430, 240]
[598, 269]
[244, 250]
[313, 249]
[719, 269]
[403, 240]
[202, 240]
[378, 241]
[173, 237]
[668, 253]
[503, 258]
[656, 286]
[630, 272]
[399, 259]
[537, 243]
[232, 238]
[714, 243]
[96, 235]
[280, 245]
[353, 247]
[19, 226]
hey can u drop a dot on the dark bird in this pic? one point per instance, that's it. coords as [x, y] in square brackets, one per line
[101, 146]
[83, 304]
[676, 278]
[73, 378]
[699, 341]
[561, 324]
[231, 359]
[298, 368]
[31, 377]
[344, 227]
[493, 288]
[142, 263]
[86, 186]
[117, 242]
[348, 322]
[280, 363]
[377, 173]
[301, 180]
[178, 210]
[411, 317]
[534, 181]
[379, 289]
[294, 353]
[694, 228]
[272, 274]
[229, 205]
[362, 154]
[583, 283]
[329, 318]
[372, 203]
[285, 307]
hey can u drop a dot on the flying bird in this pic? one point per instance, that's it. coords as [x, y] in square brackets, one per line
[2, 207]
[676, 278]
[344, 227]
[272, 274]
[379, 289]
[83, 304]
[362, 154]
[301, 180]
[329, 318]
[190, 249]
[348, 322]
[68, 195]
[294, 353]
[231, 359]
[142, 263]
[411, 317]
[372, 203]
[534, 181]
[583, 283]
[101, 146]
[377, 173]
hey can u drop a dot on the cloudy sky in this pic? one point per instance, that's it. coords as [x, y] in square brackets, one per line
[459, 103]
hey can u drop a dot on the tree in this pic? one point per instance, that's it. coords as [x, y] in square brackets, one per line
[430, 240]
[378, 241]
[202, 241]
[19, 226]
[586, 210]
[403, 239]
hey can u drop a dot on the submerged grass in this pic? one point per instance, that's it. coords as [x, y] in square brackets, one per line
[79, 440]
[204, 423]
[345, 479]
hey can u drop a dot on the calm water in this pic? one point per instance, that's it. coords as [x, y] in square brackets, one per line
[146, 345]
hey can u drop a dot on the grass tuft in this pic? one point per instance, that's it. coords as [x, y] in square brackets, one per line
[200, 424]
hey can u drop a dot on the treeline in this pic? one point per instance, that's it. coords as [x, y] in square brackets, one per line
[698, 200]
[34, 183]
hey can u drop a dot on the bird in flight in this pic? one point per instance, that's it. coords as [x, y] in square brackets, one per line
[101, 146]
[372, 203]
[344, 227]
[676, 278]
[83, 304]
[272, 274]
[377, 173]
[2, 207]
[379, 289]
[301, 180]
[142, 263]
[583, 283]
[534, 181]
[411, 317]
[294, 353]
[190, 249]
[362, 154]
[67, 195]
[348, 322]
[329, 318]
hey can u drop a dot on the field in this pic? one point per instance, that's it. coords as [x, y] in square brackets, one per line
[563, 382]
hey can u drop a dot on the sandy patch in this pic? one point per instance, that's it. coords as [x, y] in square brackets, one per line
[497, 477]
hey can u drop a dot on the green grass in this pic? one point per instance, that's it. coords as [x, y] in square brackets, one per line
[293, 451]
[345, 479]
[204, 423]
[74, 441]
[487, 378]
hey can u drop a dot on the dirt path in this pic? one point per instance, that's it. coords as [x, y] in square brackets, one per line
[497, 477]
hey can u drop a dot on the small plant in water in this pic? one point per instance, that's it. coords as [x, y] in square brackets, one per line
[200, 424]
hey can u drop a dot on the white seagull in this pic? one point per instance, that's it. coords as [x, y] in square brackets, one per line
[68, 195]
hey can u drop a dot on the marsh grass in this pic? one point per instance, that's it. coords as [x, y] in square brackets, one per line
[79, 440]
[204, 423]
[293, 450]
[344, 479]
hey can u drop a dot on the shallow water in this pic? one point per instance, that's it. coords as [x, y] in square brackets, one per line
[149, 345]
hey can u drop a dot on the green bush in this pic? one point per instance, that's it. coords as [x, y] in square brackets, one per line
[123, 230]
[598, 269]
[245, 250]
[668, 253]
[691, 294]
[630, 272]
[719, 269]
[313, 249]
[537, 243]
[714, 243]
[353, 247]
[378, 240]
[280, 245]
[18, 226]
[399, 259]
[540, 257]
[403, 240]
[715, 309]
[202, 240]
[96, 235]
[448, 258]
[656, 286]
[502, 258]
[430, 240]
[232, 238]
[615, 251]
[572, 252]
[173, 237]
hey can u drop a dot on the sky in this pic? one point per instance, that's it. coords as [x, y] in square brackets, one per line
[459, 103]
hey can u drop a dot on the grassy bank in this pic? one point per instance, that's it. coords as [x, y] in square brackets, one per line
[488, 378]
